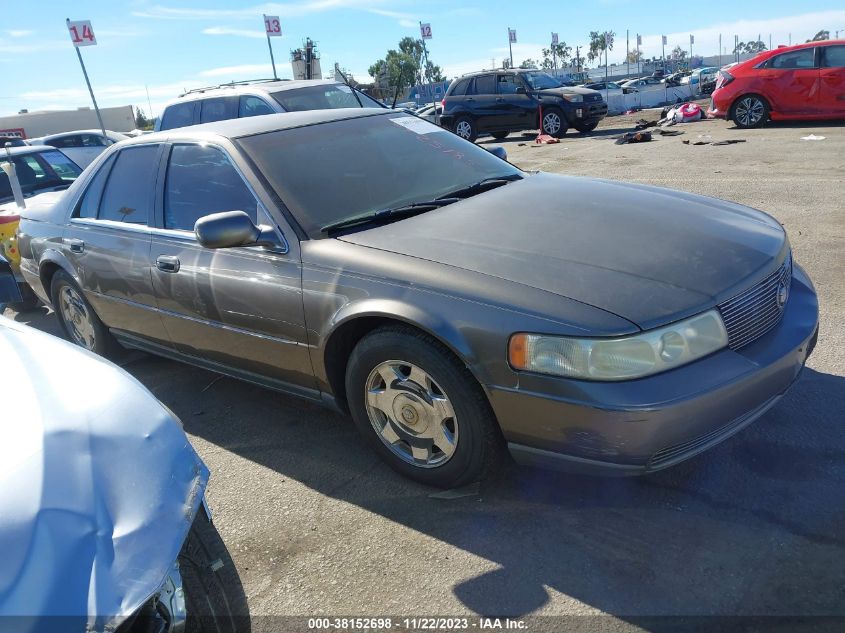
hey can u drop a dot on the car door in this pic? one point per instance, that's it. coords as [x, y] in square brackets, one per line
[790, 81]
[107, 241]
[236, 308]
[832, 80]
[517, 110]
[218, 109]
[481, 102]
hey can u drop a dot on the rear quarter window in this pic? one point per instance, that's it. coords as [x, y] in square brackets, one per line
[485, 85]
[803, 58]
[178, 115]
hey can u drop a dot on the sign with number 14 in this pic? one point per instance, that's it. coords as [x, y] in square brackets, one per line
[81, 33]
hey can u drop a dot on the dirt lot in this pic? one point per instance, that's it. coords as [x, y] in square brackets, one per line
[317, 525]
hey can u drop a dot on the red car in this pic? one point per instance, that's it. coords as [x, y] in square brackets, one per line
[803, 82]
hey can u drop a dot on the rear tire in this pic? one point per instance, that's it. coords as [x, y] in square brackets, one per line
[465, 128]
[214, 596]
[499, 135]
[553, 123]
[421, 410]
[79, 322]
[750, 111]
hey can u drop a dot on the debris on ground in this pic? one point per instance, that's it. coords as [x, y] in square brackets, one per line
[730, 141]
[664, 132]
[643, 124]
[546, 139]
[634, 137]
[812, 137]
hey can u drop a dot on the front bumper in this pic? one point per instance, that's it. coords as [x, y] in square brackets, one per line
[638, 426]
[588, 112]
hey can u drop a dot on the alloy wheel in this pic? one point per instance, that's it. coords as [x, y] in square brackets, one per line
[464, 129]
[749, 111]
[551, 123]
[76, 318]
[411, 414]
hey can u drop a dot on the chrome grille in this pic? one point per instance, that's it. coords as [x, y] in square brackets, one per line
[757, 310]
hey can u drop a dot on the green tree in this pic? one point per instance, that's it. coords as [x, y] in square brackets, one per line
[529, 63]
[141, 121]
[405, 66]
[600, 43]
[559, 51]
[821, 35]
[634, 56]
[678, 53]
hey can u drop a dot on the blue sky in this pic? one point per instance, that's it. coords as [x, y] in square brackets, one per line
[167, 45]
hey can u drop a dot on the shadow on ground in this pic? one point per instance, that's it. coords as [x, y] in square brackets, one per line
[753, 527]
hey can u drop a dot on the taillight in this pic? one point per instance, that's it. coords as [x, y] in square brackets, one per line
[443, 103]
[724, 78]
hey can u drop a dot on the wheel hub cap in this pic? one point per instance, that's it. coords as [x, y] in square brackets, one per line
[411, 414]
[75, 315]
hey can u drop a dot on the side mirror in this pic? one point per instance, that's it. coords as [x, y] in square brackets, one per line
[9, 290]
[233, 228]
[498, 151]
[520, 90]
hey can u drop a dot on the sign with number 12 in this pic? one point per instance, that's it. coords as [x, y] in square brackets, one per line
[81, 33]
[272, 26]
[425, 31]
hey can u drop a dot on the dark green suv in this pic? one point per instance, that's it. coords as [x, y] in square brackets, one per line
[502, 101]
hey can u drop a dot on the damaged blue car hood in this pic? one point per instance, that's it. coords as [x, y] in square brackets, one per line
[98, 483]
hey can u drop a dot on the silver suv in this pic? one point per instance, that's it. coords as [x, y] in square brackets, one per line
[243, 99]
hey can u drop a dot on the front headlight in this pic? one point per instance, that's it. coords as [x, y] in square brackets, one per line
[622, 358]
[574, 98]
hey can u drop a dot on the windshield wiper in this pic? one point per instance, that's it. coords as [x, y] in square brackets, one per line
[392, 213]
[482, 185]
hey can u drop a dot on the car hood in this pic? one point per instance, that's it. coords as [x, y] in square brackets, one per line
[98, 483]
[647, 254]
[569, 90]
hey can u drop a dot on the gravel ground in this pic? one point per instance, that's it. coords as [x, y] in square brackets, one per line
[317, 525]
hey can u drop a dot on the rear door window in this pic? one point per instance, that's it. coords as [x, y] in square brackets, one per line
[802, 58]
[90, 202]
[507, 84]
[178, 115]
[485, 85]
[833, 57]
[218, 109]
[201, 180]
[250, 105]
[129, 192]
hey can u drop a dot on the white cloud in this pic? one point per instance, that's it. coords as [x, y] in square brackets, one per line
[18, 32]
[271, 8]
[225, 30]
[238, 72]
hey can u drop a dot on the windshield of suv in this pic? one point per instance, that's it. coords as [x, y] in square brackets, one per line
[39, 172]
[334, 171]
[540, 80]
[323, 97]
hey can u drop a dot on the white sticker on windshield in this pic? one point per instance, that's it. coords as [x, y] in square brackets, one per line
[418, 126]
[345, 89]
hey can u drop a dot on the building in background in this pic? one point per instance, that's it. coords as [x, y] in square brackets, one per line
[305, 61]
[41, 123]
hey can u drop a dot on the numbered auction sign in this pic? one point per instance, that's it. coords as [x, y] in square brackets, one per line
[272, 26]
[512, 36]
[555, 39]
[81, 33]
[425, 31]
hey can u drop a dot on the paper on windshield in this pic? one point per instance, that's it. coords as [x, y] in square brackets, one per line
[418, 126]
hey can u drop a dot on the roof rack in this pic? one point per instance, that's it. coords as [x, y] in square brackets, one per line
[232, 84]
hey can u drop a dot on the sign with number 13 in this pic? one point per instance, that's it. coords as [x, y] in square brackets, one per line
[81, 33]
[272, 26]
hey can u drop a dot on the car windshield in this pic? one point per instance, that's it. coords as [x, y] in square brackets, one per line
[39, 172]
[331, 172]
[323, 97]
[540, 80]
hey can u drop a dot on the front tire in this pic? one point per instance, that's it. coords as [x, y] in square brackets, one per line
[214, 596]
[553, 123]
[584, 128]
[750, 111]
[79, 322]
[421, 410]
[465, 128]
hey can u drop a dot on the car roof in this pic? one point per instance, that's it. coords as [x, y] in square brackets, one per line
[26, 149]
[74, 132]
[237, 128]
[239, 88]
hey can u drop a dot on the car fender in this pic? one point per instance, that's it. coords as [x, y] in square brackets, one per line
[53, 257]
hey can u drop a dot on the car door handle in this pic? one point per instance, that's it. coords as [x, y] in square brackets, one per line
[76, 246]
[470, 99]
[167, 264]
